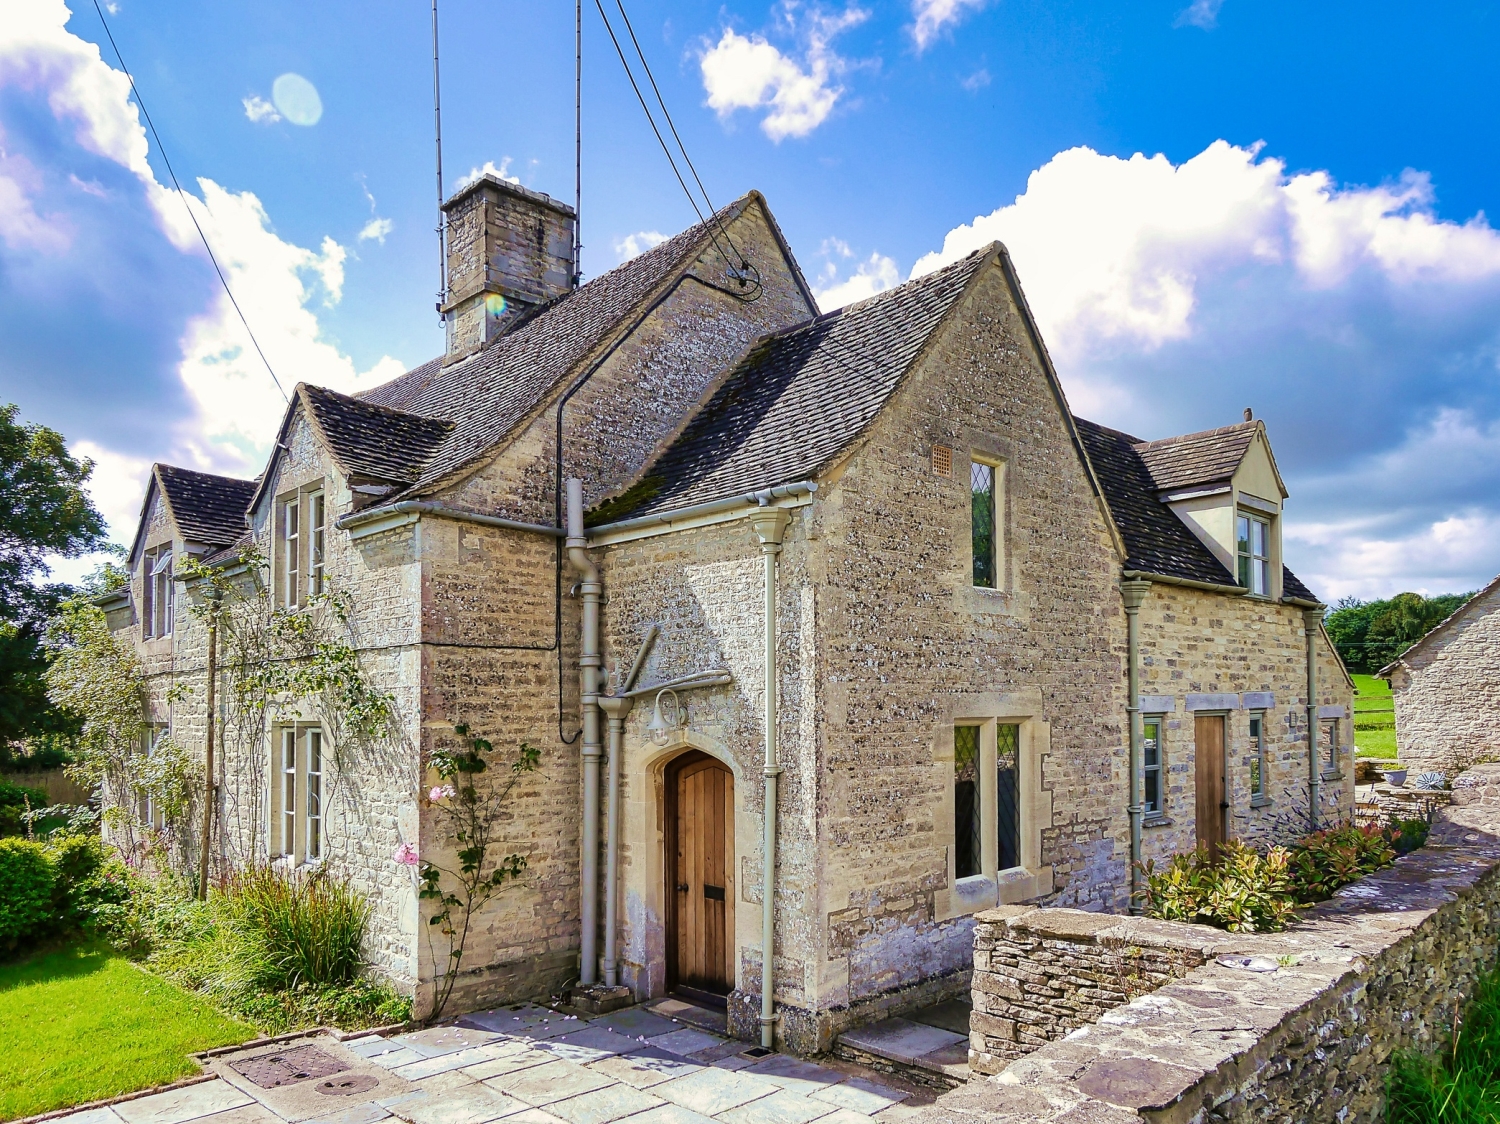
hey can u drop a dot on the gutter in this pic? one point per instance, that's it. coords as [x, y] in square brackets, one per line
[389, 516]
[643, 526]
[1166, 579]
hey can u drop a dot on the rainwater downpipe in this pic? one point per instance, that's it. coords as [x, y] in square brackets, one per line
[616, 708]
[589, 665]
[1133, 593]
[770, 527]
[1312, 620]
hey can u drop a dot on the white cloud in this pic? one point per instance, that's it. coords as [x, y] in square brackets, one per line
[748, 72]
[376, 230]
[634, 245]
[872, 275]
[237, 407]
[488, 169]
[21, 227]
[1200, 13]
[976, 81]
[932, 17]
[260, 111]
[1360, 324]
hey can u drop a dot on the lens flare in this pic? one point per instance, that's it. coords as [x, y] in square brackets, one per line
[297, 99]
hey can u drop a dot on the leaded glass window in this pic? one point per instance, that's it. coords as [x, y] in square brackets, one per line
[966, 827]
[1257, 755]
[1008, 792]
[982, 523]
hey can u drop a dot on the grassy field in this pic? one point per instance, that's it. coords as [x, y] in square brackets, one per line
[80, 1024]
[1374, 718]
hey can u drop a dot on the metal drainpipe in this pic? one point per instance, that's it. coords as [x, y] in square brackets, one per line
[770, 526]
[615, 708]
[1133, 593]
[1311, 620]
[589, 664]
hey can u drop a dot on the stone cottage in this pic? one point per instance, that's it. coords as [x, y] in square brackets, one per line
[1011, 650]
[1447, 690]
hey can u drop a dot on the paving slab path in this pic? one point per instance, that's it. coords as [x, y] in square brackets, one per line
[523, 1064]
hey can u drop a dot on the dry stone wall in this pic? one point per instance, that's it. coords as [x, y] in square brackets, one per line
[1286, 1027]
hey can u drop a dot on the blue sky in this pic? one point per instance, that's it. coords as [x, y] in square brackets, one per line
[1211, 205]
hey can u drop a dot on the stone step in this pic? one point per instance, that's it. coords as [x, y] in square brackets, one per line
[928, 1055]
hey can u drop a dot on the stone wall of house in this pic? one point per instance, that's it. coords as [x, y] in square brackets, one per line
[1447, 692]
[1041, 973]
[907, 647]
[370, 797]
[1289, 1026]
[1201, 650]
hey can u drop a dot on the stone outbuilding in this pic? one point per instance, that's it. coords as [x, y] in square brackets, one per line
[852, 590]
[1446, 688]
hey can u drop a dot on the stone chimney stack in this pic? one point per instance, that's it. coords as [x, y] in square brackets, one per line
[509, 249]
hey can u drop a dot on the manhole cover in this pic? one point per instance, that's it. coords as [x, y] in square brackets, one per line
[348, 1085]
[288, 1067]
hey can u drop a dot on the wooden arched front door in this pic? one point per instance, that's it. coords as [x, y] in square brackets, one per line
[700, 875]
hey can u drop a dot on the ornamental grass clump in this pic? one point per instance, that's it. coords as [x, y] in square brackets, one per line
[296, 930]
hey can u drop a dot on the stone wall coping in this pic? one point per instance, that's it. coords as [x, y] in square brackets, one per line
[1106, 928]
[1187, 1048]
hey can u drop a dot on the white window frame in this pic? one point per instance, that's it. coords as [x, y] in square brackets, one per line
[317, 539]
[158, 600]
[299, 796]
[151, 739]
[289, 549]
[1254, 564]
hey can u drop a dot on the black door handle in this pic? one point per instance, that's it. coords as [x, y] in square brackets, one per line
[682, 887]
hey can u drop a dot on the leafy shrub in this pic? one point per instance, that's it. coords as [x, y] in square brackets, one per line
[1325, 861]
[92, 888]
[1461, 1085]
[1407, 835]
[1244, 891]
[14, 800]
[27, 879]
[355, 1005]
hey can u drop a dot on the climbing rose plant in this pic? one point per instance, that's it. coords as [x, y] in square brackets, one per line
[468, 814]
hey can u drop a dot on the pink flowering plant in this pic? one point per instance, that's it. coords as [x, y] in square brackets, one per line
[468, 813]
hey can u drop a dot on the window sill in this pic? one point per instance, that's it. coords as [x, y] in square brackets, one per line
[1261, 802]
[1335, 775]
[1156, 821]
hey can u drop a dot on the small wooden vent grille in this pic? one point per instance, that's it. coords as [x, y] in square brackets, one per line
[942, 460]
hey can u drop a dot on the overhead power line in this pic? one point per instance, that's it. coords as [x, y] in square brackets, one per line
[183, 196]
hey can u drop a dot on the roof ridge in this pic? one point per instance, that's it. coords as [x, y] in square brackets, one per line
[1219, 432]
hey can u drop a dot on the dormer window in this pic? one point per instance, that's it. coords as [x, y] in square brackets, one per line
[1254, 539]
[156, 592]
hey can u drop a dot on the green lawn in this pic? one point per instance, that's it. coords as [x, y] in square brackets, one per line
[82, 1023]
[1374, 718]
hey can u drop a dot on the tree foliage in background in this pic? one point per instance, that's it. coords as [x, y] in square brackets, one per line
[44, 511]
[1371, 634]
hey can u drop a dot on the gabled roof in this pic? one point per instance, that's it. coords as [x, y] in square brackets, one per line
[1156, 540]
[1197, 459]
[206, 509]
[492, 391]
[372, 441]
[799, 398]
[1443, 626]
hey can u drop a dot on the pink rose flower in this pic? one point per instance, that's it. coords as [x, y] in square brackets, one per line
[406, 855]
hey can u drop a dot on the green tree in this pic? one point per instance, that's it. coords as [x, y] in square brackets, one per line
[44, 511]
[1371, 634]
